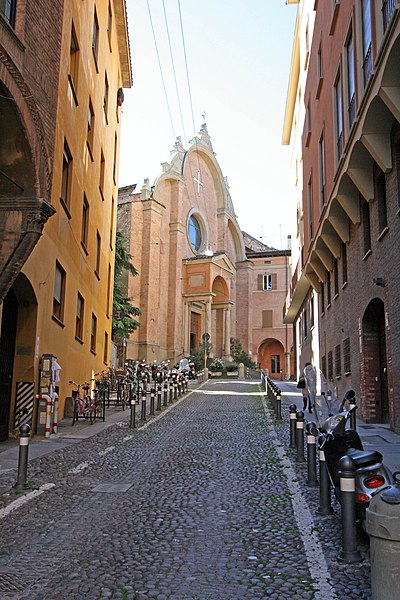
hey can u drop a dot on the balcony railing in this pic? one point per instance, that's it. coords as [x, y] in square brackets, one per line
[387, 11]
[7, 10]
[367, 64]
[339, 146]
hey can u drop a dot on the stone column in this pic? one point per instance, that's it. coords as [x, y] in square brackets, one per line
[186, 328]
[227, 328]
[208, 322]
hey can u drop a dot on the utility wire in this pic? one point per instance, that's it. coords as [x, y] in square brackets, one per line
[173, 69]
[161, 72]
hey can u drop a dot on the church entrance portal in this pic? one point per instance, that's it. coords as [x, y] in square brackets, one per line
[374, 382]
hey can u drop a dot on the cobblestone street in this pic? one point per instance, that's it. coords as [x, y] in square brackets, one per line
[201, 504]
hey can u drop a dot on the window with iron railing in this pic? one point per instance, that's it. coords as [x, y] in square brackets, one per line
[338, 361]
[351, 91]
[366, 40]
[330, 365]
[339, 118]
[346, 356]
[388, 7]
[322, 169]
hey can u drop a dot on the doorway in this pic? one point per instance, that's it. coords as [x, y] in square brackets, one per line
[7, 351]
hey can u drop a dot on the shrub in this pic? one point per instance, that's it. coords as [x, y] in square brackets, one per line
[230, 367]
[217, 365]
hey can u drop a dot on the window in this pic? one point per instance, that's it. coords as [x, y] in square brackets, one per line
[112, 223]
[339, 118]
[310, 209]
[366, 223]
[366, 39]
[346, 356]
[266, 282]
[305, 324]
[351, 90]
[330, 365]
[275, 363]
[338, 361]
[105, 99]
[85, 222]
[93, 334]
[380, 183]
[328, 288]
[80, 304]
[335, 277]
[98, 254]
[109, 24]
[95, 37]
[267, 318]
[308, 125]
[323, 365]
[319, 70]
[59, 293]
[344, 263]
[105, 353]
[322, 298]
[322, 169]
[8, 9]
[66, 178]
[194, 232]
[102, 174]
[388, 7]
[73, 63]
[312, 312]
[90, 131]
[108, 292]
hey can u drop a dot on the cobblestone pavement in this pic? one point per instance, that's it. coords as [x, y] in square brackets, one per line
[204, 503]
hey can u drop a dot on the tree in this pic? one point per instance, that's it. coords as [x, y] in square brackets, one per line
[240, 356]
[123, 322]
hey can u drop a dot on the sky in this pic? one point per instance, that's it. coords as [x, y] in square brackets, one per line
[236, 73]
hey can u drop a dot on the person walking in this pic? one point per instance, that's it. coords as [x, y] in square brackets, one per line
[302, 384]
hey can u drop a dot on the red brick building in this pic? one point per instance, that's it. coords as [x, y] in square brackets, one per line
[351, 200]
[197, 271]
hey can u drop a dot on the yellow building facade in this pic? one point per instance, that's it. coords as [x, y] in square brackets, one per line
[61, 302]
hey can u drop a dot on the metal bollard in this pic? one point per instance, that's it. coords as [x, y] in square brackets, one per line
[312, 480]
[325, 507]
[24, 432]
[278, 411]
[132, 421]
[158, 407]
[349, 552]
[165, 400]
[144, 400]
[175, 390]
[171, 393]
[300, 437]
[152, 398]
[353, 417]
[292, 411]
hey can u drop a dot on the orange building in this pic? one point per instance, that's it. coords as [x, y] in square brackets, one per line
[195, 277]
[60, 304]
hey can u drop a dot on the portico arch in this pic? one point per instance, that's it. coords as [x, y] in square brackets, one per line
[271, 356]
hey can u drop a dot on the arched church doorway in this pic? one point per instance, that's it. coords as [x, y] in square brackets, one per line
[221, 308]
[271, 356]
[374, 383]
[17, 348]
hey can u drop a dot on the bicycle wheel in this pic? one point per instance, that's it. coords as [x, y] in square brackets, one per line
[75, 413]
[92, 410]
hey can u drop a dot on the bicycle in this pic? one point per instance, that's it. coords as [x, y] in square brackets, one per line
[82, 404]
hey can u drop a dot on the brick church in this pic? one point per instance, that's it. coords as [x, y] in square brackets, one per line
[198, 272]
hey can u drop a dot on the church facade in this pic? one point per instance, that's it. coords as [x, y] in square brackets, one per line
[195, 278]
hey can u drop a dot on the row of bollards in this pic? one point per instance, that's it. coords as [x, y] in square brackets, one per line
[349, 552]
[160, 397]
[274, 395]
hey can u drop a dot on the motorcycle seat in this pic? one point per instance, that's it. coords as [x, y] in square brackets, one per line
[364, 458]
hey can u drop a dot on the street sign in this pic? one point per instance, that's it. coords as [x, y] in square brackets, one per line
[206, 337]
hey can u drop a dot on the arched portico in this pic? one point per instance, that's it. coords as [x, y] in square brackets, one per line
[271, 356]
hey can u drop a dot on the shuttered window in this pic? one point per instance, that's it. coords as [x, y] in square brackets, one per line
[267, 282]
[267, 318]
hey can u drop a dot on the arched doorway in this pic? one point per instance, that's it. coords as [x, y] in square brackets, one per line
[271, 356]
[221, 307]
[374, 382]
[17, 348]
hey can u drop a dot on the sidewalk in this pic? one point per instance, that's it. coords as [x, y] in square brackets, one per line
[374, 436]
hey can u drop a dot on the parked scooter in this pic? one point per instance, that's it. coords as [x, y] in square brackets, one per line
[336, 440]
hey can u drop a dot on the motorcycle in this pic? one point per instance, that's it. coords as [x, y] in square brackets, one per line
[336, 439]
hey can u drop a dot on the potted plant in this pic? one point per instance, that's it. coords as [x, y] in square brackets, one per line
[232, 370]
[216, 367]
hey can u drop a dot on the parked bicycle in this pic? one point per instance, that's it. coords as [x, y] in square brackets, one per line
[84, 406]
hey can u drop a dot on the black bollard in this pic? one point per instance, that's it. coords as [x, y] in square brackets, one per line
[165, 400]
[171, 393]
[175, 390]
[325, 508]
[300, 437]
[158, 407]
[349, 552]
[152, 397]
[292, 411]
[353, 418]
[144, 401]
[312, 480]
[132, 402]
[278, 410]
[24, 432]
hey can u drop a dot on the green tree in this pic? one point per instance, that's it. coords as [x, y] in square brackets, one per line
[123, 322]
[240, 356]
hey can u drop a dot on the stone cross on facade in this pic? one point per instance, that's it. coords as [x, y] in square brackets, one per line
[199, 183]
